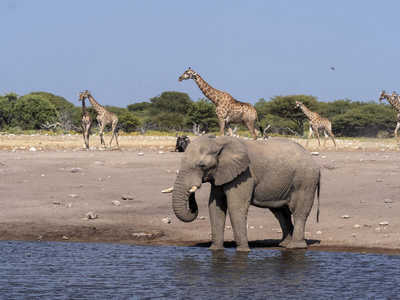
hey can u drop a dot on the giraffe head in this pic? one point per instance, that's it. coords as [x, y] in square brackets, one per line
[82, 95]
[189, 74]
[298, 104]
[384, 95]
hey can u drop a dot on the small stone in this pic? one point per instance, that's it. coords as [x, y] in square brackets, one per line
[116, 203]
[70, 205]
[315, 153]
[33, 149]
[127, 197]
[160, 152]
[378, 229]
[56, 202]
[65, 237]
[384, 223]
[91, 215]
[201, 218]
[357, 226]
[140, 153]
[166, 221]
[319, 232]
[345, 216]
[388, 201]
[73, 195]
[353, 235]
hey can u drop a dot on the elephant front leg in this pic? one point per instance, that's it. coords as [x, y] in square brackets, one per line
[217, 209]
[239, 193]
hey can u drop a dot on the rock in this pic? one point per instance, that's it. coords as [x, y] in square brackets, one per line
[73, 195]
[148, 235]
[116, 203]
[329, 167]
[319, 232]
[201, 218]
[315, 153]
[388, 201]
[32, 149]
[91, 215]
[323, 157]
[345, 216]
[70, 205]
[140, 153]
[160, 152]
[357, 226]
[127, 197]
[166, 221]
[384, 223]
[56, 202]
[65, 237]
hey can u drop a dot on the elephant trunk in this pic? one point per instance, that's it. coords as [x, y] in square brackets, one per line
[184, 202]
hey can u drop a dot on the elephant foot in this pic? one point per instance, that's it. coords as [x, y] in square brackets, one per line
[243, 247]
[286, 241]
[297, 245]
[216, 248]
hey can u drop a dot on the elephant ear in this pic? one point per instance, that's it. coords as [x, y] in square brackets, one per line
[232, 160]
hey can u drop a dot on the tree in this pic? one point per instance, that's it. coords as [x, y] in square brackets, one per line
[203, 114]
[7, 103]
[30, 111]
[175, 102]
[365, 119]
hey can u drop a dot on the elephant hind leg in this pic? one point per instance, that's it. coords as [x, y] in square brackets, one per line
[284, 217]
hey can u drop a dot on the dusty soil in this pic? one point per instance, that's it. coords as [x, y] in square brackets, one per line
[49, 183]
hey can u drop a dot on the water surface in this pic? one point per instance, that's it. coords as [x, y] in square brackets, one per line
[49, 270]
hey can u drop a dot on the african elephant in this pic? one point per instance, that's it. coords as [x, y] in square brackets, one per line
[277, 173]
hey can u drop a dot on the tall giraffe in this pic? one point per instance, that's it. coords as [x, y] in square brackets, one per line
[104, 118]
[229, 110]
[317, 122]
[86, 120]
[394, 101]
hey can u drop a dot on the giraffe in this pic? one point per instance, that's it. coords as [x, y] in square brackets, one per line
[317, 122]
[394, 101]
[104, 118]
[86, 120]
[229, 110]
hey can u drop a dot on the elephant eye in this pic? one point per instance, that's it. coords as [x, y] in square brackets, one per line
[202, 166]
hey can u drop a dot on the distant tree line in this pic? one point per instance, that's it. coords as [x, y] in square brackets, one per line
[175, 111]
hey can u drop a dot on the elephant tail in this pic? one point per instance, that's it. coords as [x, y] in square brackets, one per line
[318, 191]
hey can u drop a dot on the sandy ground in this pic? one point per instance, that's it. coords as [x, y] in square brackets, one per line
[49, 183]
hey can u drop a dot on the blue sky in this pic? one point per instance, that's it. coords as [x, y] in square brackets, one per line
[130, 51]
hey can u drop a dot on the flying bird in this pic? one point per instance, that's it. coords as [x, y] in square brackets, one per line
[332, 68]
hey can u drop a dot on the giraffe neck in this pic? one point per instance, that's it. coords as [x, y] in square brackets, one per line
[84, 109]
[394, 102]
[208, 91]
[97, 107]
[310, 114]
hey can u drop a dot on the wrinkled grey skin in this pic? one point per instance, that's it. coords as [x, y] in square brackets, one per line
[277, 174]
[181, 143]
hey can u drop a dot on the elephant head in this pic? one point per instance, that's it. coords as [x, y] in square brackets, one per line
[207, 159]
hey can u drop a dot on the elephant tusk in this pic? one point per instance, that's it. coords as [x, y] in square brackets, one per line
[193, 189]
[168, 190]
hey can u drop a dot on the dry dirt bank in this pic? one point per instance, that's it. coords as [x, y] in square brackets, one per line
[48, 184]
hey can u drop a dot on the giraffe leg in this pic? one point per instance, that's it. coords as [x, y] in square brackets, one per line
[326, 137]
[101, 136]
[317, 134]
[332, 137]
[395, 133]
[250, 126]
[221, 127]
[114, 130]
[309, 135]
[229, 128]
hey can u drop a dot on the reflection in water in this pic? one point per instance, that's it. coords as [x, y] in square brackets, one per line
[106, 271]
